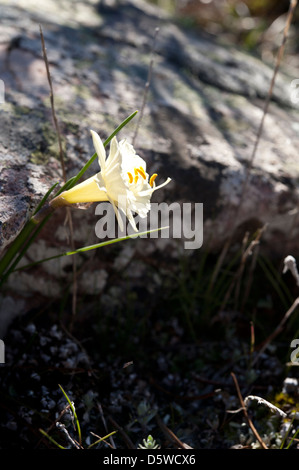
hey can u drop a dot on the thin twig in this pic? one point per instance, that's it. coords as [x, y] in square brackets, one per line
[53, 104]
[123, 433]
[61, 155]
[252, 338]
[62, 428]
[250, 423]
[169, 434]
[65, 410]
[112, 445]
[277, 330]
[102, 440]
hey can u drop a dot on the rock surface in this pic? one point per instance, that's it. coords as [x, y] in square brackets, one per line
[203, 110]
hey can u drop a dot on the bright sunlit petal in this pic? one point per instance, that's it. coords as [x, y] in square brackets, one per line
[99, 148]
[123, 181]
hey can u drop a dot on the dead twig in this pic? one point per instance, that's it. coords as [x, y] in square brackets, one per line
[277, 330]
[169, 434]
[53, 105]
[250, 423]
[123, 433]
[62, 428]
[103, 440]
[61, 155]
[112, 445]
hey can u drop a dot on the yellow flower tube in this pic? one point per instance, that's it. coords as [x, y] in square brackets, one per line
[123, 181]
[87, 191]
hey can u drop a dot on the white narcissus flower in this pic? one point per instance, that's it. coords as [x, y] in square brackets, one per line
[123, 181]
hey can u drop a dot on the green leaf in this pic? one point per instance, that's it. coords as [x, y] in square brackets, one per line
[46, 196]
[74, 413]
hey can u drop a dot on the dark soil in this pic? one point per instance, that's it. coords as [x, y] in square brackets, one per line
[140, 367]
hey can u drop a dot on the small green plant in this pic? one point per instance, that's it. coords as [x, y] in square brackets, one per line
[149, 443]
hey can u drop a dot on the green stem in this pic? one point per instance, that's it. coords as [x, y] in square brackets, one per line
[91, 247]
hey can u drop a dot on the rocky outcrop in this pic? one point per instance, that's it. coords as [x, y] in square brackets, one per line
[203, 110]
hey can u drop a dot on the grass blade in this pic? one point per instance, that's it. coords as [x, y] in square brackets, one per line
[51, 439]
[101, 439]
[74, 414]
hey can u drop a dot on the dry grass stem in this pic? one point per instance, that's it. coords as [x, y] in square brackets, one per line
[103, 440]
[61, 154]
[277, 330]
[124, 435]
[62, 428]
[250, 423]
[146, 88]
[53, 105]
[169, 434]
[112, 445]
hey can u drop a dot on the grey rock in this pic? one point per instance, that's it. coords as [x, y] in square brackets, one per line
[199, 126]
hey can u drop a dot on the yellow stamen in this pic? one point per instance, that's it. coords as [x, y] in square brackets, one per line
[141, 172]
[130, 177]
[152, 179]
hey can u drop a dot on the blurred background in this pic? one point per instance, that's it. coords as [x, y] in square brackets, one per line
[255, 25]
